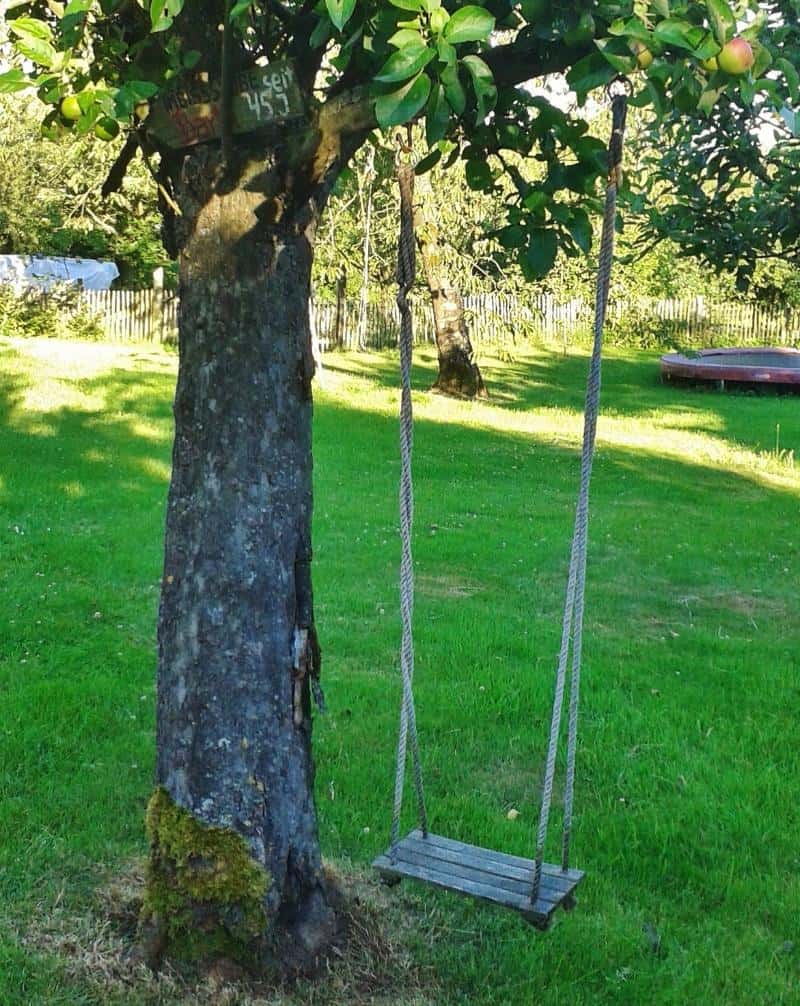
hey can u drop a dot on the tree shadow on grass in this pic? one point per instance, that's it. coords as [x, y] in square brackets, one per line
[632, 388]
[81, 524]
[687, 623]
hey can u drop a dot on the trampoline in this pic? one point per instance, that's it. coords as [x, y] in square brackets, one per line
[759, 365]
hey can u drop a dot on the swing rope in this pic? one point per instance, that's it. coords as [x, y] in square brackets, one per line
[572, 627]
[406, 271]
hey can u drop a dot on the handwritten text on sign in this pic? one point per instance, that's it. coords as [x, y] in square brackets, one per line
[262, 96]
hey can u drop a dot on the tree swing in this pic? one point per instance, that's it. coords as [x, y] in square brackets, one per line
[531, 887]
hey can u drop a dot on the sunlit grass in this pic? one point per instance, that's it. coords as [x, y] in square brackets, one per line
[688, 790]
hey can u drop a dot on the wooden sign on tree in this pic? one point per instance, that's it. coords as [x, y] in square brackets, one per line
[261, 96]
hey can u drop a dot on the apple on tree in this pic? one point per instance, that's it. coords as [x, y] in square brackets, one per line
[643, 55]
[736, 56]
[70, 108]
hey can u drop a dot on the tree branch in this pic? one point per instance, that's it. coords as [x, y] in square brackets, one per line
[518, 61]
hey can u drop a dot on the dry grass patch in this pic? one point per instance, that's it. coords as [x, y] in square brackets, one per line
[364, 966]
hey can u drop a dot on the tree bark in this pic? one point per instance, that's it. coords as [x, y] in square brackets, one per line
[237, 641]
[459, 374]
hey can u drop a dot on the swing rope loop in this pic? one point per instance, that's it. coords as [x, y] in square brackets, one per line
[406, 271]
[572, 627]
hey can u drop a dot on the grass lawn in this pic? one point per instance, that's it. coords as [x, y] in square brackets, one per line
[688, 789]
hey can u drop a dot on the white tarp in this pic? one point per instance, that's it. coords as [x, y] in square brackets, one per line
[24, 271]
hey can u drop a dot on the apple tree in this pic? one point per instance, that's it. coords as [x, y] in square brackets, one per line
[722, 182]
[248, 111]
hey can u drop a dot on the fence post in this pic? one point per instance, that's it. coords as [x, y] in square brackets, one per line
[157, 307]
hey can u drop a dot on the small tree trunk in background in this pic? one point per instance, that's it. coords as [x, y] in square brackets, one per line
[235, 864]
[341, 307]
[366, 208]
[459, 374]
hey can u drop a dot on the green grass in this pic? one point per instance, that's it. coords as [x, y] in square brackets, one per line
[688, 784]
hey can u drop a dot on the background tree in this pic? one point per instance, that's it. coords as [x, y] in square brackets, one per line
[721, 182]
[235, 862]
[51, 203]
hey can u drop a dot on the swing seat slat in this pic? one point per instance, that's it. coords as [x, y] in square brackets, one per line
[481, 873]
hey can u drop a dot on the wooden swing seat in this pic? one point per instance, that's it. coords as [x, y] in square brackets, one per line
[481, 873]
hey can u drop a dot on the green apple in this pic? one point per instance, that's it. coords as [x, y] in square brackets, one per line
[106, 129]
[70, 108]
[643, 55]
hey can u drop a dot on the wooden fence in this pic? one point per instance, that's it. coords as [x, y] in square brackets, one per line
[492, 318]
[134, 315]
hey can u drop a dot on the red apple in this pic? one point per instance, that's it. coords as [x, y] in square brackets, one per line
[736, 57]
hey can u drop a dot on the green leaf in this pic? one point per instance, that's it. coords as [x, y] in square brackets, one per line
[340, 11]
[617, 54]
[512, 236]
[478, 175]
[791, 77]
[708, 99]
[747, 90]
[589, 73]
[454, 89]
[469, 24]
[722, 19]
[320, 34]
[437, 116]
[447, 52]
[536, 200]
[36, 50]
[242, 7]
[130, 94]
[415, 5]
[31, 27]
[405, 37]
[439, 19]
[405, 63]
[681, 34]
[707, 48]
[156, 12]
[402, 105]
[483, 85]
[632, 28]
[12, 81]
[163, 13]
[580, 228]
[762, 59]
[429, 161]
[540, 254]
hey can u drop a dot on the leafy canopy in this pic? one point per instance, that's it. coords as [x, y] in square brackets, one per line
[461, 68]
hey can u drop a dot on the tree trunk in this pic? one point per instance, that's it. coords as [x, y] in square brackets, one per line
[235, 862]
[459, 374]
[341, 310]
[366, 210]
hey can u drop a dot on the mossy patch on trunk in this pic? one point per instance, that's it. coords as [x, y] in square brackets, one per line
[204, 893]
